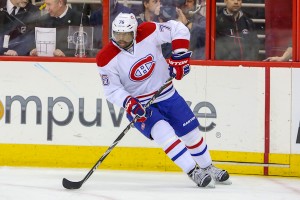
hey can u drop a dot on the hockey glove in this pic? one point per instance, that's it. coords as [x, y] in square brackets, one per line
[179, 65]
[133, 107]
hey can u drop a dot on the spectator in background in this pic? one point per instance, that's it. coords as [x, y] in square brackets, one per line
[189, 14]
[60, 16]
[150, 11]
[236, 37]
[286, 56]
[202, 7]
[96, 20]
[256, 13]
[17, 22]
[185, 11]
[86, 8]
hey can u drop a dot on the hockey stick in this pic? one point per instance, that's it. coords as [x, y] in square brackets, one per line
[76, 185]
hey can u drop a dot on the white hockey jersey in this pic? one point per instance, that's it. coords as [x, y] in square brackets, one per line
[143, 71]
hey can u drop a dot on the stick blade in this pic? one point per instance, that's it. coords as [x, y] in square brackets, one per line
[71, 185]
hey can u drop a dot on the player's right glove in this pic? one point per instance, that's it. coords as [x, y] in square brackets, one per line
[179, 65]
[134, 107]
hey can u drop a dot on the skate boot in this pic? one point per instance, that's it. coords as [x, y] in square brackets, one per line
[220, 176]
[201, 177]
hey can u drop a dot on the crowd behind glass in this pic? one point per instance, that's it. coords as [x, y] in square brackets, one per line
[18, 33]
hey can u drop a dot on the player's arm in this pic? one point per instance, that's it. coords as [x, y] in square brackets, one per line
[179, 64]
[175, 33]
[179, 35]
[134, 107]
[116, 94]
[114, 91]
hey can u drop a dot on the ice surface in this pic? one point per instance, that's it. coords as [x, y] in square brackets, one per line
[45, 184]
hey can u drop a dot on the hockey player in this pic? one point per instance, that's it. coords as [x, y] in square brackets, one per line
[132, 68]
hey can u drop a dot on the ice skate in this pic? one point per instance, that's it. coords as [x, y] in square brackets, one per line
[201, 178]
[219, 176]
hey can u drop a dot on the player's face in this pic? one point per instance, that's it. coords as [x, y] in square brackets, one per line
[233, 6]
[123, 39]
[21, 3]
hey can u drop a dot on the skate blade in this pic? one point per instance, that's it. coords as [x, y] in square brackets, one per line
[227, 182]
[211, 184]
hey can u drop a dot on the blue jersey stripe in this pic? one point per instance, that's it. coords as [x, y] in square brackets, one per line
[163, 93]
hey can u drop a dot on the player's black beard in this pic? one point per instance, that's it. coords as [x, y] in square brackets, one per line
[128, 46]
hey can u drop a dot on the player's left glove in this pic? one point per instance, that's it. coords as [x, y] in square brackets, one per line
[134, 107]
[179, 65]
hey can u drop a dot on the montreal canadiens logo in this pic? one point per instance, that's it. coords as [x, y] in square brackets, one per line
[142, 69]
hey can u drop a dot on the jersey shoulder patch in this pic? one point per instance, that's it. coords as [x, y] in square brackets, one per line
[144, 30]
[106, 54]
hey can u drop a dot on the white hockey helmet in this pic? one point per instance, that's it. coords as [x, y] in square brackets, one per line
[125, 22]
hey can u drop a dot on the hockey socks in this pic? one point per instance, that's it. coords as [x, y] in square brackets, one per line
[164, 135]
[197, 147]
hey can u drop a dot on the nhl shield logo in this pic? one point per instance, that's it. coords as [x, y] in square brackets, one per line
[142, 69]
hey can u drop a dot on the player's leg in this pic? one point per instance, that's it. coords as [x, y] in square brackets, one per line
[185, 124]
[164, 135]
[156, 128]
[197, 146]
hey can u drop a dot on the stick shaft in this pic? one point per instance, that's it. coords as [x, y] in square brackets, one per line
[76, 185]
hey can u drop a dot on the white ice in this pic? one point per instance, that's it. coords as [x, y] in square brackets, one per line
[45, 184]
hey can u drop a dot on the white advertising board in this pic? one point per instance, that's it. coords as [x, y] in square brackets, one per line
[229, 103]
[63, 103]
[280, 110]
[295, 135]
